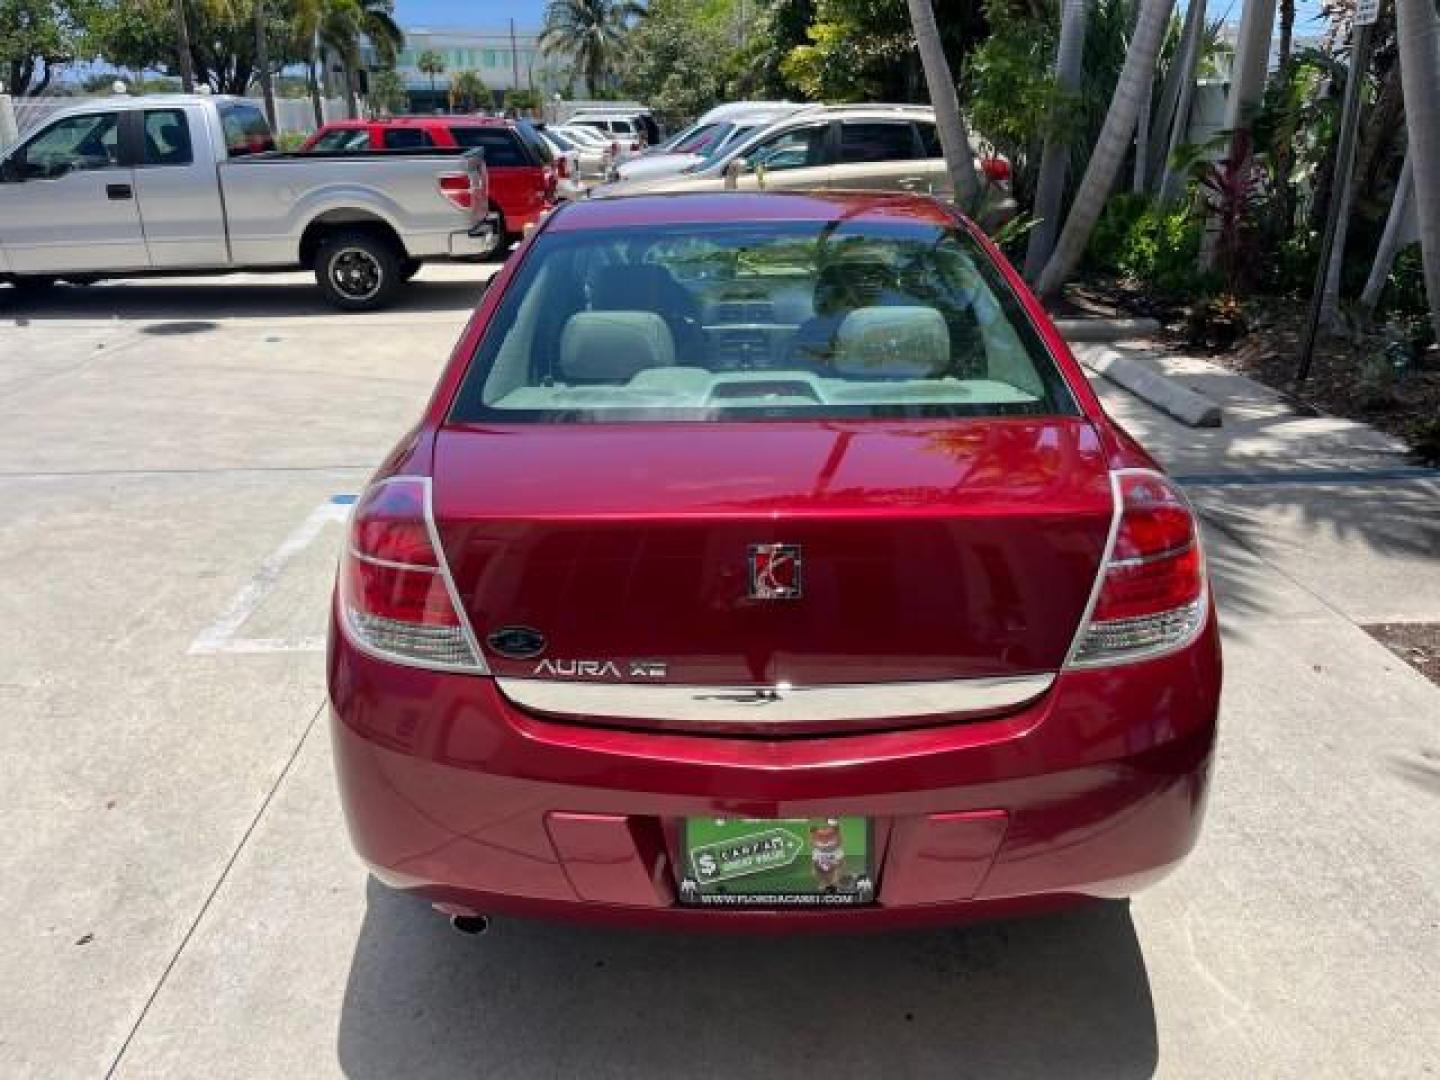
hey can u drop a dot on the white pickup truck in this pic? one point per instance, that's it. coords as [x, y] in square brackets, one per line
[183, 184]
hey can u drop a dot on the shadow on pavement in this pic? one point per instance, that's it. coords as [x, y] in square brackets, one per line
[1060, 995]
[218, 297]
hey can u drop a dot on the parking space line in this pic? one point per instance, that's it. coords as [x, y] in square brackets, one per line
[220, 636]
[285, 771]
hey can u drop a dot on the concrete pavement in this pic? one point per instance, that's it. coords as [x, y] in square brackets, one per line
[180, 898]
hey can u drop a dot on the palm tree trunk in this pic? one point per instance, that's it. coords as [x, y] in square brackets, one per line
[1055, 159]
[262, 63]
[316, 104]
[1187, 64]
[1142, 146]
[182, 47]
[1389, 240]
[954, 142]
[352, 103]
[1417, 29]
[1287, 39]
[1136, 80]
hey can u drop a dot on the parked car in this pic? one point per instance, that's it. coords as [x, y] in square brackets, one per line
[640, 118]
[568, 183]
[705, 145]
[627, 136]
[852, 147]
[728, 111]
[523, 179]
[767, 561]
[175, 184]
[593, 148]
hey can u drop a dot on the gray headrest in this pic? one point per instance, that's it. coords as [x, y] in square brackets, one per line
[893, 343]
[611, 346]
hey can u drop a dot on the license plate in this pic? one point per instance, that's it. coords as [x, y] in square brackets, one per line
[776, 862]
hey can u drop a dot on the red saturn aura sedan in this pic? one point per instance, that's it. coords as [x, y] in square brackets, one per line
[764, 561]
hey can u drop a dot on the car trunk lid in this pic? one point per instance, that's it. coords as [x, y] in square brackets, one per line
[927, 551]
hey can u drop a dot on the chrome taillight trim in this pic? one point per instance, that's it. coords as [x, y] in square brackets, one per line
[346, 618]
[1072, 658]
[773, 706]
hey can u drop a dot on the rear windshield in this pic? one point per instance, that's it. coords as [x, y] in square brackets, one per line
[741, 321]
[337, 139]
[501, 145]
[246, 130]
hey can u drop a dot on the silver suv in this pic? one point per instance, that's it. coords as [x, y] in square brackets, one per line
[874, 147]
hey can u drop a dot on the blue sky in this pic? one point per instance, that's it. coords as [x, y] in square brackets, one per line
[470, 13]
[528, 13]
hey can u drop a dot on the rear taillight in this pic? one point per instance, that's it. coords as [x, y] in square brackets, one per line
[562, 167]
[396, 597]
[996, 169]
[459, 189]
[1151, 597]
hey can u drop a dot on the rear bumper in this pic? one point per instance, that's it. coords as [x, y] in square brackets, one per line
[476, 241]
[453, 793]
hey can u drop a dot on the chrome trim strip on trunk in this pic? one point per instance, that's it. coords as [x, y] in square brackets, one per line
[778, 704]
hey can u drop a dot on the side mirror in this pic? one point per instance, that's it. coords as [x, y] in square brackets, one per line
[11, 170]
[734, 169]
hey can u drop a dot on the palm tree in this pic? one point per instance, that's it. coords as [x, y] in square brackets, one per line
[372, 21]
[262, 60]
[1136, 82]
[954, 142]
[1389, 240]
[432, 64]
[1055, 158]
[590, 32]
[1417, 29]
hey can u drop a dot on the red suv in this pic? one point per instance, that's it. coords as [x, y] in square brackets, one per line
[766, 561]
[520, 166]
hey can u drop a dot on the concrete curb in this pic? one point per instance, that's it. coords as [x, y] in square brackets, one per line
[1106, 329]
[1151, 386]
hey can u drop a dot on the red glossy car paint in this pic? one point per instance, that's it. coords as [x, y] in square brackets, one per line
[627, 540]
[522, 185]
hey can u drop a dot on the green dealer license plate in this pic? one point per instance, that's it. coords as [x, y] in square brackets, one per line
[739, 862]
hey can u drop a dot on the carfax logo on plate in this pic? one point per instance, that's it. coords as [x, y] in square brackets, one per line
[770, 849]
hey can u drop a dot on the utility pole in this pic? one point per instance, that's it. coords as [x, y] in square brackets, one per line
[182, 44]
[514, 58]
[1366, 13]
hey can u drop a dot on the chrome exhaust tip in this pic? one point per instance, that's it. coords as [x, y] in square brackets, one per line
[470, 925]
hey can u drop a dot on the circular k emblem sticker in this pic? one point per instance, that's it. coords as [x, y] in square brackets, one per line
[775, 572]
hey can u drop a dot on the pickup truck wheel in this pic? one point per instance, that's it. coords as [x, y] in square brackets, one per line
[409, 268]
[358, 271]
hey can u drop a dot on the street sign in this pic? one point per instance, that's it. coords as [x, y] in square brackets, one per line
[1367, 12]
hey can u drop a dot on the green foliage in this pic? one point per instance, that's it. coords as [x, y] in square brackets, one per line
[1403, 303]
[1152, 246]
[523, 101]
[35, 37]
[1010, 92]
[468, 92]
[779, 28]
[860, 50]
[388, 94]
[677, 59]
